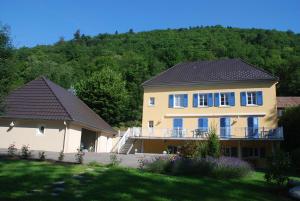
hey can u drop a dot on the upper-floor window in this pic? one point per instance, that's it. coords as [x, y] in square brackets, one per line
[202, 100]
[224, 99]
[151, 101]
[251, 98]
[178, 100]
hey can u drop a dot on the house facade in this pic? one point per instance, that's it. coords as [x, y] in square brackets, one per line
[236, 99]
[47, 117]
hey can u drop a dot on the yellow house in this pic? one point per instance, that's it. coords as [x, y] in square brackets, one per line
[233, 97]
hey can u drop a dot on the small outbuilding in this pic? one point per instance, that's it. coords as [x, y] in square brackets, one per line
[47, 117]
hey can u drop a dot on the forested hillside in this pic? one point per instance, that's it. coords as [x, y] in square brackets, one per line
[109, 68]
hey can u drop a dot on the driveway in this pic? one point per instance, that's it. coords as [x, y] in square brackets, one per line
[130, 160]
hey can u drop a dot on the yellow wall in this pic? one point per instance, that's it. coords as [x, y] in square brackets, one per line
[163, 116]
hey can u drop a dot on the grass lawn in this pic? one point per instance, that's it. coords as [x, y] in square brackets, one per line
[19, 178]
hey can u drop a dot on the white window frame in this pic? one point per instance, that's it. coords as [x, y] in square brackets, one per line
[199, 103]
[152, 104]
[38, 130]
[174, 101]
[220, 101]
[152, 124]
[251, 104]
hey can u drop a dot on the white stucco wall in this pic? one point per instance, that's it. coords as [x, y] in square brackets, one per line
[24, 132]
[73, 138]
[106, 142]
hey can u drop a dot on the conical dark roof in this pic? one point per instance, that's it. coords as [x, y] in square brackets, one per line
[43, 99]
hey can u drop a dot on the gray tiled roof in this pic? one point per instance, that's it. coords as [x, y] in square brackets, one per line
[43, 99]
[224, 70]
[290, 101]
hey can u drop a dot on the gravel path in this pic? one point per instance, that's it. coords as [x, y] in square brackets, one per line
[130, 160]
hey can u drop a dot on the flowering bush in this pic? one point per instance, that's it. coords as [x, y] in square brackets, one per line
[229, 167]
[25, 152]
[79, 156]
[222, 167]
[42, 156]
[12, 150]
[160, 164]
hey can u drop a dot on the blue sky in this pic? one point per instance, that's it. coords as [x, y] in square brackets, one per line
[35, 22]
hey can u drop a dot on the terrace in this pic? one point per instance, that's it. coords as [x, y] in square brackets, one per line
[225, 133]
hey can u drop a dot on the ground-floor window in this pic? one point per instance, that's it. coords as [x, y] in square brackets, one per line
[230, 151]
[253, 152]
[172, 149]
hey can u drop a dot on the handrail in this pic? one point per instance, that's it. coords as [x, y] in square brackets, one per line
[124, 139]
[223, 132]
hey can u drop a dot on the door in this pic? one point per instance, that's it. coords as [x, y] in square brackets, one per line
[177, 127]
[225, 127]
[253, 127]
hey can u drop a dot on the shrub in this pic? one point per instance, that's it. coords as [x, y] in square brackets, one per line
[93, 164]
[295, 158]
[229, 167]
[184, 166]
[79, 156]
[222, 167]
[12, 150]
[114, 160]
[213, 144]
[277, 168]
[61, 156]
[193, 149]
[201, 149]
[42, 156]
[291, 128]
[159, 164]
[25, 152]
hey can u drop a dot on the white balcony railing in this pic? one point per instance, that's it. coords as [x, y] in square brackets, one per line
[223, 133]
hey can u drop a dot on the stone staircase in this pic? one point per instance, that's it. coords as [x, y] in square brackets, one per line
[127, 148]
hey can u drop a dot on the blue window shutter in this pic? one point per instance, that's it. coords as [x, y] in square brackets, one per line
[243, 99]
[185, 100]
[259, 96]
[171, 101]
[227, 122]
[217, 99]
[222, 122]
[210, 99]
[253, 127]
[231, 99]
[200, 123]
[177, 123]
[203, 123]
[195, 100]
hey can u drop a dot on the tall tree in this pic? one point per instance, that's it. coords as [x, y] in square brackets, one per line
[6, 69]
[106, 94]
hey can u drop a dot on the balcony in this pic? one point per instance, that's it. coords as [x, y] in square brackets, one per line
[226, 133]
